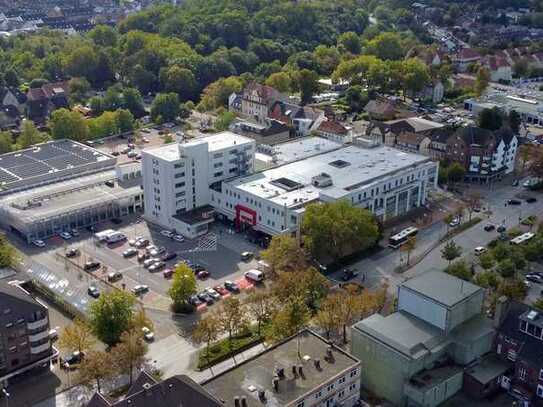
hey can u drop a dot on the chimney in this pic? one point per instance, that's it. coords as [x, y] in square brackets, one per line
[236, 402]
[500, 311]
[243, 401]
[318, 364]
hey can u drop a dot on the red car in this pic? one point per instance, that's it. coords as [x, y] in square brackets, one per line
[221, 290]
[203, 274]
[168, 273]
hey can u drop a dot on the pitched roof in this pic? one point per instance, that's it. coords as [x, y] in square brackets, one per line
[172, 392]
[473, 135]
[378, 107]
[467, 53]
[332, 126]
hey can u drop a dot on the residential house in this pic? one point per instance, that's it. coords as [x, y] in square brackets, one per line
[464, 58]
[13, 97]
[41, 102]
[146, 391]
[24, 337]
[410, 134]
[333, 130]
[499, 68]
[304, 370]
[270, 133]
[380, 110]
[519, 343]
[417, 355]
[437, 149]
[486, 155]
[257, 100]
[302, 119]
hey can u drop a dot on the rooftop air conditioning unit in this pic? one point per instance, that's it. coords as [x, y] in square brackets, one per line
[322, 180]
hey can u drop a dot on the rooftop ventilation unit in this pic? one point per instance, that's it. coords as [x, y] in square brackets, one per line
[322, 180]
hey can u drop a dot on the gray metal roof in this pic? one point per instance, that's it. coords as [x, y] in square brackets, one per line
[441, 287]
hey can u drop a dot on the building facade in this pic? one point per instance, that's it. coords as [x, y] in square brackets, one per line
[24, 337]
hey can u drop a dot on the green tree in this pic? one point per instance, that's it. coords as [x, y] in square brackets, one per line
[232, 317]
[486, 261]
[506, 268]
[289, 319]
[415, 75]
[307, 83]
[207, 330]
[79, 87]
[451, 251]
[513, 288]
[217, 93]
[501, 251]
[179, 80]
[260, 306]
[515, 121]
[356, 98]
[76, 337]
[111, 315]
[459, 269]
[29, 136]
[6, 142]
[133, 101]
[103, 36]
[334, 230]
[487, 279]
[350, 42]
[65, 124]
[284, 254]
[408, 247]
[280, 81]
[95, 367]
[538, 304]
[165, 107]
[125, 120]
[224, 120]
[183, 286]
[491, 119]
[386, 46]
[82, 61]
[129, 353]
[482, 79]
[455, 173]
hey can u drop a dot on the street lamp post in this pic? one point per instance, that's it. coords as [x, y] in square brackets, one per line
[7, 396]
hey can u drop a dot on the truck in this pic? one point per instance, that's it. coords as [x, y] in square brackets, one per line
[103, 235]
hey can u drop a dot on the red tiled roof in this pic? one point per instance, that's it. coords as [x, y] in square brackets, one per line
[467, 53]
[331, 126]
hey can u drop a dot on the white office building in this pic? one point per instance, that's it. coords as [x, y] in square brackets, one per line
[384, 180]
[178, 177]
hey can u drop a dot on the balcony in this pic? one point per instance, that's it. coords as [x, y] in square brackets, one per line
[39, 336]
[41, 348]
[37, 324]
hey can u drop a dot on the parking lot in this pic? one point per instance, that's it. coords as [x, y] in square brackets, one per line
[218, 253]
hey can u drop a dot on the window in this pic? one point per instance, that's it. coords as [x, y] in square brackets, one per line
[180, 175]
[7, 311]
[300, 404]
[217, 155]
[539, 391]
[318, 395]
[354, 373]
[218, 174]
[179, 165]
[217, 165]
[342, 380]
[522, 373]
[330, 387]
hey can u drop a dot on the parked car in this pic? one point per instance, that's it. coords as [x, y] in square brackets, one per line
[168, 256]
[515, 183]
[132, 242]
[65, 235]
[246, 256]
[212, 293]
[167, 233]
[38, 243]
[479, 250]
[74, 232]
[93, 291]
[349, 274]
[501, 229]
[114, 276]
[489, 228]
[178, 238]
[194, 300]
[140, 289]
[157, 251]
[148, 335]
[514, 202]
[132, 154]
[254, 275]
[205, 297]
[91, 265]
[157, 266]
[73, 360]
[231, 286]
[534, 278]
[167, 273]
[531, 199]
[149, 262]
[141, 243]
[221, 290]
[196, 267]
[454, 222]
[143, 256]
[131, 251]
[72, 253]
[202, 275]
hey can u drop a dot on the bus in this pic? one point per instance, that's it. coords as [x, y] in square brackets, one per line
[522, 238]
[400, 238]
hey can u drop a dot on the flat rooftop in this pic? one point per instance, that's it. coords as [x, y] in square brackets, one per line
[298, 149]
[350, 168]
[53, 159]
[441, 287]
[66, 196]
[252, 375]
[402, 332]
[216, 142]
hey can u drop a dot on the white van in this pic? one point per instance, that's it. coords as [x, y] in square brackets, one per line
[116, 237]
[103, 235]
[480, 250]
[254, 275]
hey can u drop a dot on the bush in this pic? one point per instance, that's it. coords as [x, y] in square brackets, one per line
[514, 232]
[182, 308]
